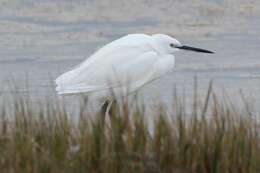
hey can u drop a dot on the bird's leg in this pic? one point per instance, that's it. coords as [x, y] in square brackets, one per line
[107, 110]
[104, 110]
[104, 107]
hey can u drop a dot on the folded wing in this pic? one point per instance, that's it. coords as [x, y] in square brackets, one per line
[127, 62]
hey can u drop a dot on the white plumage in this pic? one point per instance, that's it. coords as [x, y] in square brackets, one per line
[124, 65]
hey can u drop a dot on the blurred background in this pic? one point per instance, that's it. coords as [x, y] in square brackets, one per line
[40, 39]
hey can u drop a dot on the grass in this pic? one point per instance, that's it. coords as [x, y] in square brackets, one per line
[42, 138]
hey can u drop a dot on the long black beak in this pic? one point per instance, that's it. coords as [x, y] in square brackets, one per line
[194, 49]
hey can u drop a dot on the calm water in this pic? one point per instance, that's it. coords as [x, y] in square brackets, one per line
[39, 42]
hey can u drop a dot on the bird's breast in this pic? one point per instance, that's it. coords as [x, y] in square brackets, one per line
[165, 64]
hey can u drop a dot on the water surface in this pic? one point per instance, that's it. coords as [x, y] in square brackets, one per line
[42, 39]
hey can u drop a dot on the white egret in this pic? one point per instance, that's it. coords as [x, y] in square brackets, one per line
[125, 64]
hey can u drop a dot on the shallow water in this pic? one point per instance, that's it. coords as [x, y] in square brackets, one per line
[41, 39]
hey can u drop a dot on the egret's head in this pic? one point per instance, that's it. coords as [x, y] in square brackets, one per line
[170, 45]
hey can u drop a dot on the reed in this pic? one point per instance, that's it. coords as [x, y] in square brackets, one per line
[42, 138]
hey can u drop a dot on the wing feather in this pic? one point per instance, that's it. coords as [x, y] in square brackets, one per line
[120, 63]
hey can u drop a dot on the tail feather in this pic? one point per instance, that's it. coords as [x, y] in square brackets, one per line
[66, 85]
[75, 89]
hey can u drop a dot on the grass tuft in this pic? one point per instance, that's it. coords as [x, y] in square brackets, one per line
[42, 138]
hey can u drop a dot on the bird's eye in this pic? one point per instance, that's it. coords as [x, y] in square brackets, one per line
[172, 45]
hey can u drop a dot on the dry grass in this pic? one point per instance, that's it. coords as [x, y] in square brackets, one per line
[43, 139]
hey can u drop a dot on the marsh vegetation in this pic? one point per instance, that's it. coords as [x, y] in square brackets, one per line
[43, 137]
